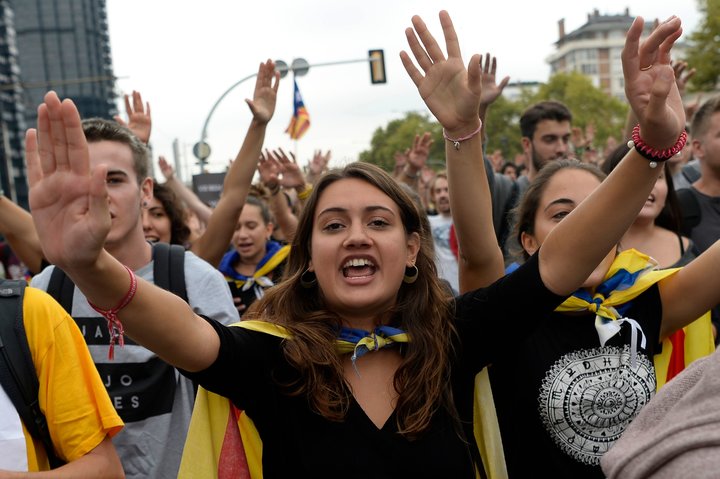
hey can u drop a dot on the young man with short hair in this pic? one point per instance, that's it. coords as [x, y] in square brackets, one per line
[153, 399]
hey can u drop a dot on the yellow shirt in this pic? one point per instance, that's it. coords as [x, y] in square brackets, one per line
[73, 398]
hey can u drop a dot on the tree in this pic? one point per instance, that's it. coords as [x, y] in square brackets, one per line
[587, 103]
[703, 51]
[398, 135]
[503, 127]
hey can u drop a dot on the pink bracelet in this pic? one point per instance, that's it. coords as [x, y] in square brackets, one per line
[651, 154]
[456, 141]
[115, 327]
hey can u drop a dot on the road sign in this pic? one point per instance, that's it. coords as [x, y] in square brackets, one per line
[201, 150]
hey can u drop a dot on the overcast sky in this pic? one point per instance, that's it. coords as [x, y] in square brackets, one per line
[182, 55]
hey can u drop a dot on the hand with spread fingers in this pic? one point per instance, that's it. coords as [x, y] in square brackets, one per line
[68, 202]
[450, 90]
[491, 90]
[650, 84]
[139, 117]
[291, 174]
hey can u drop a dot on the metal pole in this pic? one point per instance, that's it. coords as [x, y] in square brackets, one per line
[203, 134]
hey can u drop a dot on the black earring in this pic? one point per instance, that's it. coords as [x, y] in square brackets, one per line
[411, 274]
[308, 279]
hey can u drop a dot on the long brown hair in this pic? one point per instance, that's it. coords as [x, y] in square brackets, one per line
[422, 309]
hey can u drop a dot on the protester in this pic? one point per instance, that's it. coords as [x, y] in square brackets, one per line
[256, 261]
[152, 398]
[570, 386]
[79, 414]
[656, 232]
[359, 262]
[163, 218]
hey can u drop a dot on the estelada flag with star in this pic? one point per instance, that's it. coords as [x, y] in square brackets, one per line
[300, 121]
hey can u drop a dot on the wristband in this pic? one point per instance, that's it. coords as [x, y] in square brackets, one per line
[655, 156]
[111, 315]
[456, 141]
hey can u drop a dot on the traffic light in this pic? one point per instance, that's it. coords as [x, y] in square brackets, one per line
[377, 66]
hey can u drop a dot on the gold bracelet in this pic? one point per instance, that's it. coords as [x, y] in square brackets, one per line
[305, 194]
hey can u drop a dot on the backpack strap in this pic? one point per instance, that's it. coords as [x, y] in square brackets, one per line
[62, 288]
[169, 268]
[690, 209]
[691, 172]
[17, 371]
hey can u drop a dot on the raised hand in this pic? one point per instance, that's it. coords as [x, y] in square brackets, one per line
[139, 118]
[650, 84]
[262, 105]
[491, 90]
[291, 174]
[68, 202]
[269, 170]
[681, 76]
[166, 168]
[319, 162]
[450, 91]
[418, 154]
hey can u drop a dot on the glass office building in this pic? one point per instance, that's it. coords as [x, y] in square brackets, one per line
[60, 45]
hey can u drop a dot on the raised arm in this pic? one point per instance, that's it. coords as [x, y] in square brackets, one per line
[139, 117]
[187, 195]
[415, 161]
[276, 171]
[491, 89]
[317, 166]
[579, 242]
[220, 227]
[69, 204]
[452, 93]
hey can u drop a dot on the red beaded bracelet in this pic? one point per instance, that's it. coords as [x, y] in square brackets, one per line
[111, 315]
[651, 154]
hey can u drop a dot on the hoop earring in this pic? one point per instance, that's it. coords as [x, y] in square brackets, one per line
[308, 279]
[411, 274]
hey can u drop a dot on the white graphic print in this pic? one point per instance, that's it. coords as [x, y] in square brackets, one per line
[588, 398]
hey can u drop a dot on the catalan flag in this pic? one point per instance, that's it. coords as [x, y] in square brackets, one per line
[300, 121]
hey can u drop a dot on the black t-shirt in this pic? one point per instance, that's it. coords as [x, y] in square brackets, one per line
[297, 442]
[562, 400]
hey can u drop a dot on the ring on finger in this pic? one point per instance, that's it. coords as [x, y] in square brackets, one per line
[644, 69]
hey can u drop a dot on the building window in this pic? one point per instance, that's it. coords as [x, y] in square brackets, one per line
[589, 68]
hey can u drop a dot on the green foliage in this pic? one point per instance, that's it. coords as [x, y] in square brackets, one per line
[703, 51]
[502, 126]
[587, 103]
[399, 135]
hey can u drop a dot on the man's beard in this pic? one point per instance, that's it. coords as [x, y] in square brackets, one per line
[536, 161]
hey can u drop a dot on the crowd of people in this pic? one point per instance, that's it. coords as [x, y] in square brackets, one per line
[486, 320]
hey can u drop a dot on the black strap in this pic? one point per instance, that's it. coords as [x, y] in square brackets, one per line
[169, 268]
[690, 209]
[17, 371]
[61, 288]
[691, 172]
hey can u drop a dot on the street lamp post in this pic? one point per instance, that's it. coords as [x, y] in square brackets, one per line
[299, 67]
